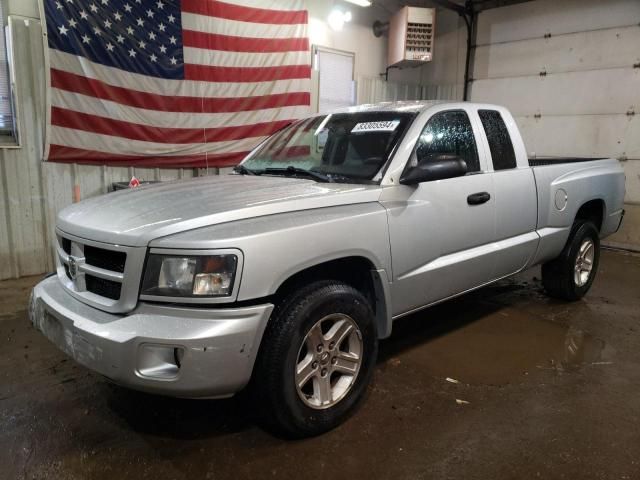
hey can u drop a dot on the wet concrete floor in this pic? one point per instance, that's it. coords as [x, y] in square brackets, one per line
[500, 383]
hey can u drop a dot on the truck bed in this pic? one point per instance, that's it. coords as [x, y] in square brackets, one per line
[538, 162]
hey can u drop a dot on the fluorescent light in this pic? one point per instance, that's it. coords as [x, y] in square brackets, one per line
[360, 3]
[336, 20]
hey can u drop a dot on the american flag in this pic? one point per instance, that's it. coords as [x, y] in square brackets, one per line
[173, 82]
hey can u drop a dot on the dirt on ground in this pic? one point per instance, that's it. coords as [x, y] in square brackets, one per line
[500, 383]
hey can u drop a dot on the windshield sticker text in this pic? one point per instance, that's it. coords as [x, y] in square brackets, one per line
[386, 126]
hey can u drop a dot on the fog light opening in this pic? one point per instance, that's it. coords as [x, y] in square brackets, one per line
[159, 362]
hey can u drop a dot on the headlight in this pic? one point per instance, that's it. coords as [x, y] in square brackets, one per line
[189, 276]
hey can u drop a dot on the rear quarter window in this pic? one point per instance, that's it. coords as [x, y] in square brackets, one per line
[502, 154]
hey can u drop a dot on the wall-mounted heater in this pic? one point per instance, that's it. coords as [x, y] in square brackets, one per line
[411, 34]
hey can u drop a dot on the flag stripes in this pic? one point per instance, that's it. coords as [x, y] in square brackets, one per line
[174, 82]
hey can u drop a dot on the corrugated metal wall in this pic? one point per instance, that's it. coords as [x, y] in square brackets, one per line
[22, 216]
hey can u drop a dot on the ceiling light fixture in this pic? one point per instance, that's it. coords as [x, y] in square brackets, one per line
[360, 3]
[337, 18]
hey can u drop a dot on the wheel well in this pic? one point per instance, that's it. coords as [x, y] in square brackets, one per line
[592, 211]
[355, 271]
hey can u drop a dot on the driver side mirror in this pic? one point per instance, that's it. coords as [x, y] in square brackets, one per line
[434, 167]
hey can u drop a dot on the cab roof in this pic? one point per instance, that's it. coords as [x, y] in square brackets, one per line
[412, 106]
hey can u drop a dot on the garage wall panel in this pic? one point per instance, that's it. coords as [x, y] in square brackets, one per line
[594, 92]
[535, 19]
[593, 50]
[587, 100]
[583, 135]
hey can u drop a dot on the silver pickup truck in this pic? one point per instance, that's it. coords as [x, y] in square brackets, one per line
[283, 276]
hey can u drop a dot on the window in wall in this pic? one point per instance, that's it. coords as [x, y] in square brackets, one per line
[502, 153]
[336, 85]
[6, 110]
[448, 133]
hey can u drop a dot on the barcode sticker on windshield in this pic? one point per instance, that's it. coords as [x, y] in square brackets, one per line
[387, 126]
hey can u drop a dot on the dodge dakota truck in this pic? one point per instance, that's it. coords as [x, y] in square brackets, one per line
[280, 278]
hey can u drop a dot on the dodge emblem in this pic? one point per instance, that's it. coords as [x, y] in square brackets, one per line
[73, 267]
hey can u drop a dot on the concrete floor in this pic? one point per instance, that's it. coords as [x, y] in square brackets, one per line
[553, 391]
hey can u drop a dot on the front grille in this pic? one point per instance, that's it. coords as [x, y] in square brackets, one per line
[102, 287]
[89, 259]
[66, 245]
[106, 259]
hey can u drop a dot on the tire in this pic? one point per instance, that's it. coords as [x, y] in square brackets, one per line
[297, 412]
[559, 276]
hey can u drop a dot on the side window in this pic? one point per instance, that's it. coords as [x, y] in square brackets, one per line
[502, 153]
[448, 133]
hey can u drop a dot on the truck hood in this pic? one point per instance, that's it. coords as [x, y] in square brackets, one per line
[135, 217]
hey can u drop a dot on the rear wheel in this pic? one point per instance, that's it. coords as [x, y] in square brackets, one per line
[571, 275]
[316, 359]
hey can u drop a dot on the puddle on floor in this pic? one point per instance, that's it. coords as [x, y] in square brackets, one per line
[483, 343]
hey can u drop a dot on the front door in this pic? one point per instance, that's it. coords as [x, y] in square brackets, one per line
[441, 231]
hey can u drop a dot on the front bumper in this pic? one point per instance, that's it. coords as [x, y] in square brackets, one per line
[182, 352]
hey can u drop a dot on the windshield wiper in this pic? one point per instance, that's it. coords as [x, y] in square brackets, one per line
[242, 170]
[291, 170]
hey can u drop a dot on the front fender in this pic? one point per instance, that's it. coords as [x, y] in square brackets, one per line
[275, 247]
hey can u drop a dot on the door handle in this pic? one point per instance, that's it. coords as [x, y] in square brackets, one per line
[478, 198]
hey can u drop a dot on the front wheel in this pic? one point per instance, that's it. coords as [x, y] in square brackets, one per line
[571, 275]
[316, 359]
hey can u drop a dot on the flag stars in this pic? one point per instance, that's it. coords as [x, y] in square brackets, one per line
[140, 36]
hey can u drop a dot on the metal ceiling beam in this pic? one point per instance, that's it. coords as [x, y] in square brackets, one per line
[448, 4]
[481, 5]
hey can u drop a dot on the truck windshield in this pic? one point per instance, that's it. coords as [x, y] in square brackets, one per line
[344, 147]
